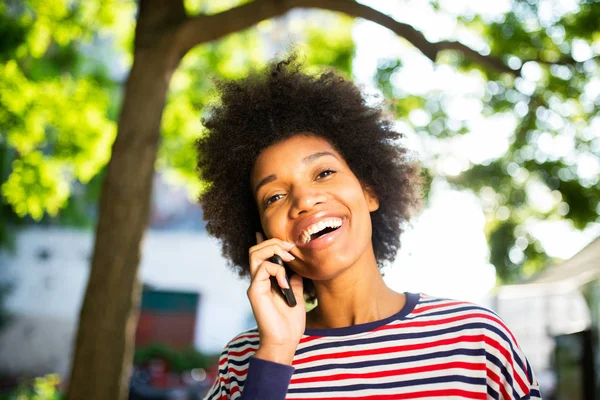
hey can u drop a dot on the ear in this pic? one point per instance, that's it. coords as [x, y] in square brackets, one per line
[370, 197]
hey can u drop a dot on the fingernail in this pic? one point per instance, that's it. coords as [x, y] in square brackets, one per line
[285, 285]
[290, 257]
[288, 245]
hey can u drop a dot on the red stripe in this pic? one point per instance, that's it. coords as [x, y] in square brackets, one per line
[395, 372]
[242, 352]
[425, 393]
[241, 373]
[494, 377]
[393, 349]
[309, 339]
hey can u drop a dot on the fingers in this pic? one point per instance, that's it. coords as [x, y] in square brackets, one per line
[297, 286]
[261, 269]
[261, 280]
[267, 249]
[269, 269]
[261, 242]
[260, 256]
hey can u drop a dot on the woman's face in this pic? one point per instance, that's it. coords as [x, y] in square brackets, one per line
[307, 195]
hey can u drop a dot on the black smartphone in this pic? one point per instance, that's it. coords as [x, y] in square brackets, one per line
[287, 294]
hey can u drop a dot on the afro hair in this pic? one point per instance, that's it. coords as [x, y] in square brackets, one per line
[281, 101]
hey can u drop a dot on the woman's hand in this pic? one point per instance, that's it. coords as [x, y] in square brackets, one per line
[280, 326]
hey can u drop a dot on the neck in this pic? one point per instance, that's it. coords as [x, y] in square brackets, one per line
[357, 296]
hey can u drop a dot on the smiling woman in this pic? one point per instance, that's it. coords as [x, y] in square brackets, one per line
[300, 167]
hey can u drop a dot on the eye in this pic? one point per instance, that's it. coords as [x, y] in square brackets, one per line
[273, 199]
[326, 173]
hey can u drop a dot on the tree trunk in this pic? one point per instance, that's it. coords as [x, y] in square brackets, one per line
[104, 346]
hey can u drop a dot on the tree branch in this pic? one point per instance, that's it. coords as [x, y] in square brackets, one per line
[206, 28]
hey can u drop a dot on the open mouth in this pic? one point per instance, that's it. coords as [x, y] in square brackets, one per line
[323, 232]
[320, 229]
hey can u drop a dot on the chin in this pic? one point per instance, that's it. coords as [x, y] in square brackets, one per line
[325, 273]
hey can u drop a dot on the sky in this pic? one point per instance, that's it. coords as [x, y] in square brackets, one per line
[444, 252]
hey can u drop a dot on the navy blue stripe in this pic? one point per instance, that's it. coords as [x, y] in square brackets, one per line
[389, 385]
[240, 363]
[432, 301]
[492, 393]
[244, 342]
[239, 382]
[389, 361]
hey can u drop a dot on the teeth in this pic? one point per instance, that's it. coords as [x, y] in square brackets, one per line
[319, 226]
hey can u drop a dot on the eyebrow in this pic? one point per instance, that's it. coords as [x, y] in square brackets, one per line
[305, 160]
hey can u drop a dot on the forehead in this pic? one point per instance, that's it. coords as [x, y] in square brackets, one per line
[289, 153]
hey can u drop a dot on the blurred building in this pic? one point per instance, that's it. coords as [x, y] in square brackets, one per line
[49, 271]
[556, 319]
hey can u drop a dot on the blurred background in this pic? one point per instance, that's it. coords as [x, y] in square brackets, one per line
[500, 102]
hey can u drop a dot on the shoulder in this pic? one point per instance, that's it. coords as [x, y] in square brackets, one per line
[463, 317]
[507, 365]
[460, 311]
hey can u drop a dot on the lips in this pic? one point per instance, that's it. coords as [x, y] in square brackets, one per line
[315, 223]
[320, 228]
[325, 240]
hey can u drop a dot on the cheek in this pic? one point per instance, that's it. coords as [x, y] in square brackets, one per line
[274, 224]
[355, 197]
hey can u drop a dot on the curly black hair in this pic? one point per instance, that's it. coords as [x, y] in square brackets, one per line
[281, 101]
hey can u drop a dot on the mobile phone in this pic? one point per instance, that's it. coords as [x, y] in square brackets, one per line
[288, 294]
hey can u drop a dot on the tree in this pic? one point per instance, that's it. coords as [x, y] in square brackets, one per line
[526, 58]
[553, 100]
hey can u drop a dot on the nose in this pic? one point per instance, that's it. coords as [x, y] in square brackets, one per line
[305, 199]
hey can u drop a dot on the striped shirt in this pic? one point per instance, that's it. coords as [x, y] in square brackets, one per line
[433, 348]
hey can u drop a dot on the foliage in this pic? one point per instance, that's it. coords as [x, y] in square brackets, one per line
[178, 360]
[60, 95]
[41, 388]
[57, 102]
[554, 108]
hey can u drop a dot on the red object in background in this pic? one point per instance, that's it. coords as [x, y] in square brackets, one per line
[159, 373]
[167, 318]
[173, 330]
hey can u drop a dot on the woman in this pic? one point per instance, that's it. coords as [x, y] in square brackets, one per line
[300, 167]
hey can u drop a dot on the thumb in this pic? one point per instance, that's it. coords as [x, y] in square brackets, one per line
[259, 237]
[297, 287]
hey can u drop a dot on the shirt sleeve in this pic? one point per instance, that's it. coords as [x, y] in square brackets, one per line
[509, 375]
[266, 380]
